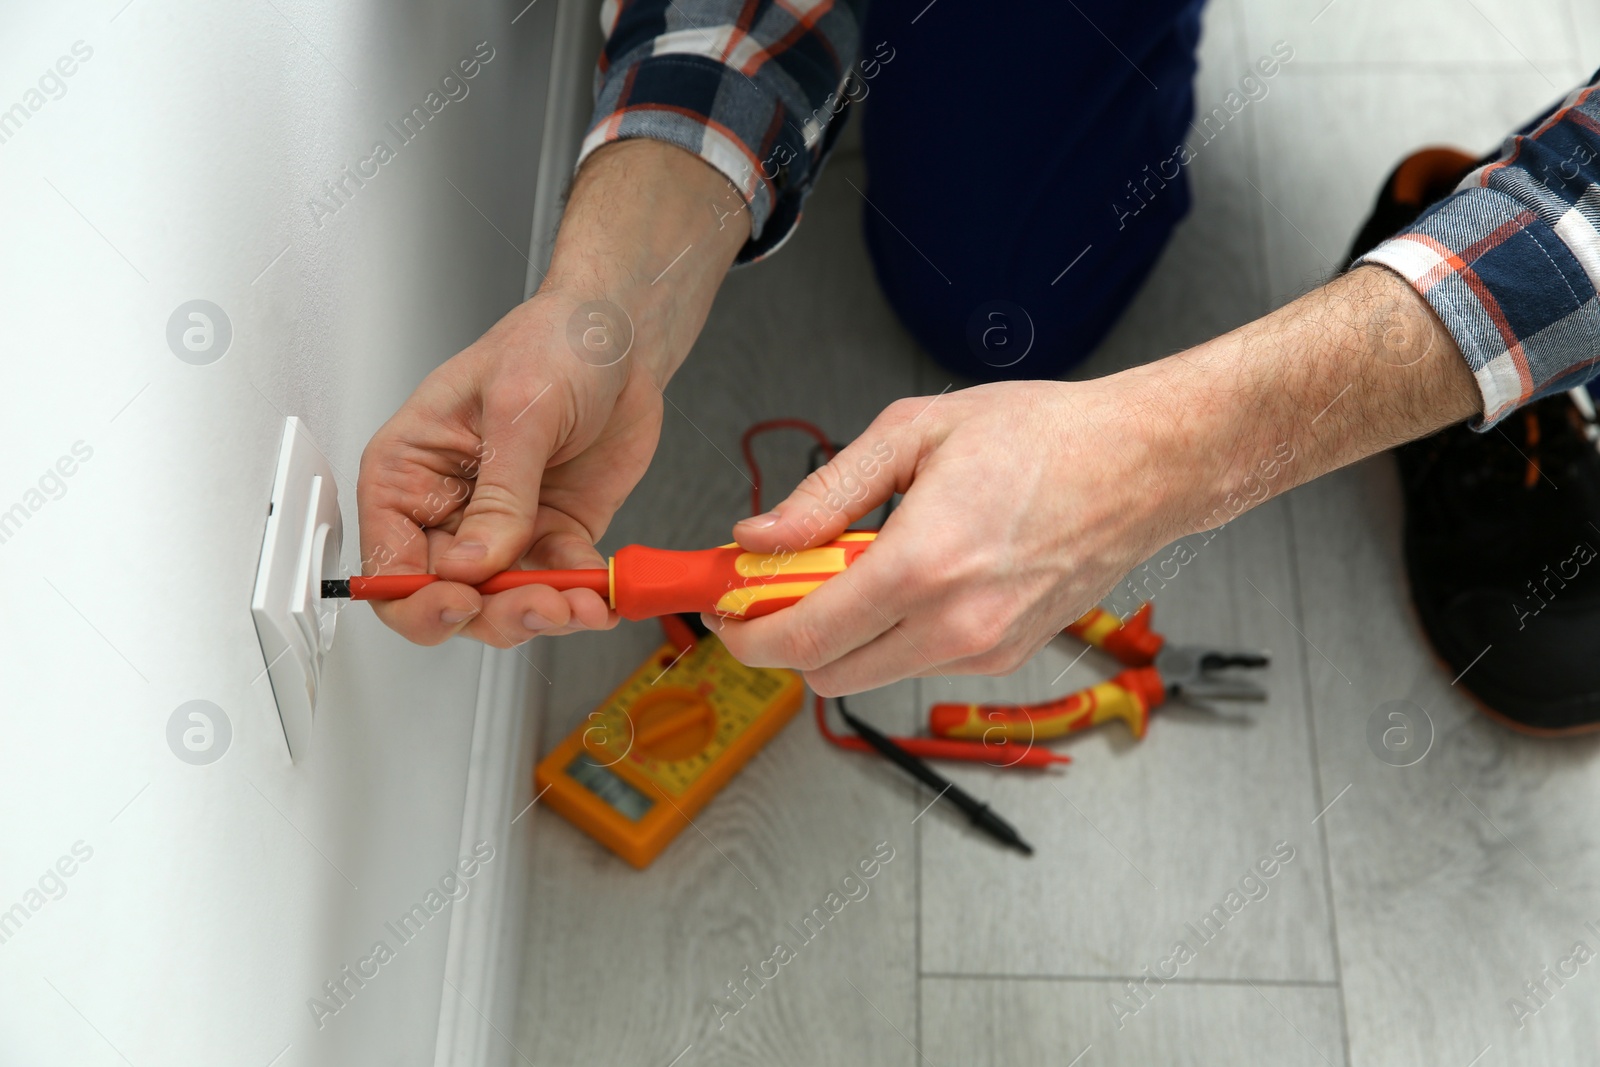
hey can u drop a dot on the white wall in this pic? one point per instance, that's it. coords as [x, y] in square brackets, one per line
[178, 165]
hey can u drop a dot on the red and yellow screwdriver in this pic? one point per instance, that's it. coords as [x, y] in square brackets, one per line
[644, 583]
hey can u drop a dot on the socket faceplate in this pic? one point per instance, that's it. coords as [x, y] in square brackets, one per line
[303, 539]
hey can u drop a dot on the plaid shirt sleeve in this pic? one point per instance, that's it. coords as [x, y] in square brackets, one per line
[749, 86]
[1510, 262]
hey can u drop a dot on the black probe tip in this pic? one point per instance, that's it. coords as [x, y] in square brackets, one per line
[984, 818]
[334, 588]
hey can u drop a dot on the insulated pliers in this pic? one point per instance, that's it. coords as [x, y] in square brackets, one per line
[1156, 672]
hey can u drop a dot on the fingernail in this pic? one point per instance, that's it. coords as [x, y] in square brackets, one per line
[455, 616]
[467, 550]
[534, 621]
[760, 522]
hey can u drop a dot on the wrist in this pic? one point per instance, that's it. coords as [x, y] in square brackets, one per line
[1211, 452]
[651, 230]
[1162, 457]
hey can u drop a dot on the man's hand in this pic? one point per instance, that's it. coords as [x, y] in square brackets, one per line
[513, 451]
[1026, 502]
[521, 448]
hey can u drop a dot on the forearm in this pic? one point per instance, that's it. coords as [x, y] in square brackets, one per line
[652, 229]
[1352, 369]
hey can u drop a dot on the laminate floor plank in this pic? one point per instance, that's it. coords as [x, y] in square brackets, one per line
[1460, 877]
[1006, 1022]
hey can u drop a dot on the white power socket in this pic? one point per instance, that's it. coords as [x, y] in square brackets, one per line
[304, 536]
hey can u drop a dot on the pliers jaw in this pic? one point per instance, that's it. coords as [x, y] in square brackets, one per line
[1188, 672]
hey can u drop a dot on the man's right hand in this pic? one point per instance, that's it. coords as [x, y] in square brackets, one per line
[519, 449]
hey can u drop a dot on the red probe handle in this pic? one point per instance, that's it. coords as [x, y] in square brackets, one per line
[1000, 755]
[997, 755]
[400, 586]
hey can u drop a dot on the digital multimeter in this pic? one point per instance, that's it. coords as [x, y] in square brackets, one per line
[643, 763]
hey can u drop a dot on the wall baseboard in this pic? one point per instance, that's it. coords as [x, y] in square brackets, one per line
[483, 962]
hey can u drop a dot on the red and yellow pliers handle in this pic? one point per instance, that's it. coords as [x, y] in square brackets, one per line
[1130, 640]
[1130, 696]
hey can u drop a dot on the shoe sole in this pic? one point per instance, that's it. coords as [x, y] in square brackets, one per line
[1498, 717]
[1502, 719]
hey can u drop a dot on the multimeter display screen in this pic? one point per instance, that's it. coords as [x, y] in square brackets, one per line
[599, 780]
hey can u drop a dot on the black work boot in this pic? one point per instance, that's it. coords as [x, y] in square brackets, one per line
[1502, 548]
[1502, 529]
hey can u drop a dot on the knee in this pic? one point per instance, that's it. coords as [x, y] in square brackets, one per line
[1036, 312]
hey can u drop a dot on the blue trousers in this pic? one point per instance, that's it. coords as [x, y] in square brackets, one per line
[1014, 204]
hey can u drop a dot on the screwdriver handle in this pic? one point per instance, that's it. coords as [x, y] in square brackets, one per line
[725, 581]
[1130, 696]
[1130, 639]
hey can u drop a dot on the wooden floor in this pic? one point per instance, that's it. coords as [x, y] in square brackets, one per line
[1416, 901]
